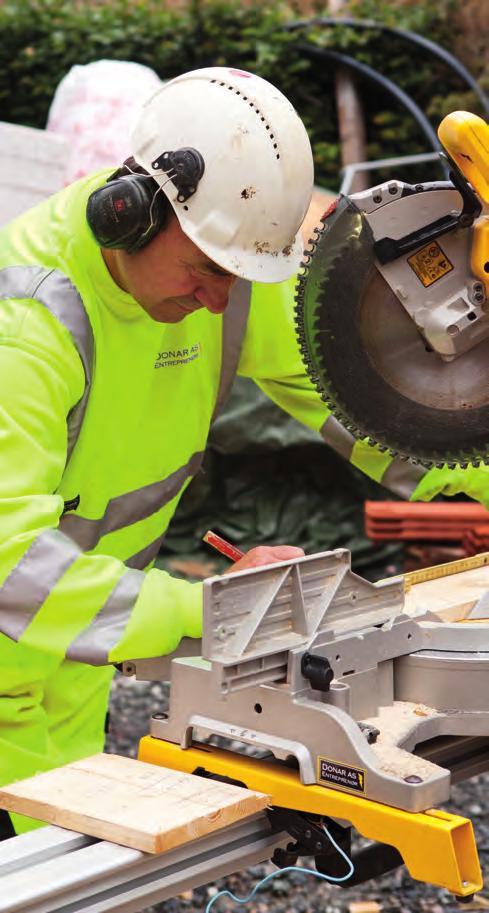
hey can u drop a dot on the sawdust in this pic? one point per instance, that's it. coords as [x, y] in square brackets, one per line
[395, 724]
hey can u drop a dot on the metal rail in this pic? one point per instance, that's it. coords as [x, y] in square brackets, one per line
[52, 870]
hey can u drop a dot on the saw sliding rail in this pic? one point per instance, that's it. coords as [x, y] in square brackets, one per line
[52, 870]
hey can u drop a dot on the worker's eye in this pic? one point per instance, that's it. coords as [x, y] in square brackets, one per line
[210, 272]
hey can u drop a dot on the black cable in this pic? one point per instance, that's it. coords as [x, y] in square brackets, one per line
[387, 85]
[363, 24]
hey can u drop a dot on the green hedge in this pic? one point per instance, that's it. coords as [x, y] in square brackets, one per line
[42, 39]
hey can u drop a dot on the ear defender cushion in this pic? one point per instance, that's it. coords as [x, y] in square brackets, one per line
[124, 213]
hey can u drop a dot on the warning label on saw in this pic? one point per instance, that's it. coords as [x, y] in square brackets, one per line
[430, 263]
[341, 775]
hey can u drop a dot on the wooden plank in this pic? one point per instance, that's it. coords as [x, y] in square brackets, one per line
[131, 802]
[451, 598]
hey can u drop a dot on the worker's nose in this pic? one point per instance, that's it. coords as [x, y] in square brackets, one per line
[214, 294]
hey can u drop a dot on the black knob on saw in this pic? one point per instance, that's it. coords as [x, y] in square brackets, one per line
[318, 671]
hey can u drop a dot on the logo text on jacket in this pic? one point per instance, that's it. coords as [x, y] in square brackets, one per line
[170, 358]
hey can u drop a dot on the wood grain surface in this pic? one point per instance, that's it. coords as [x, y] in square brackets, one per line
[131, 802]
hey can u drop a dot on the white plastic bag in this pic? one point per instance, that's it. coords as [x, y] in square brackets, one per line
[94, 108]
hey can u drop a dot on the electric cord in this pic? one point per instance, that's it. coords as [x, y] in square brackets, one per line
[290, 868]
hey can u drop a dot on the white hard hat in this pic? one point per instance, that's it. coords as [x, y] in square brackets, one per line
[254, 174]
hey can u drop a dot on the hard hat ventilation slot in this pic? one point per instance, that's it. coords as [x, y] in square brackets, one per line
[252, 105]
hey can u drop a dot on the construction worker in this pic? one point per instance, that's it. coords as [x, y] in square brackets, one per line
[128, 303]
[124, 301]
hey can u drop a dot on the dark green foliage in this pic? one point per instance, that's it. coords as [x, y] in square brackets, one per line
[42, 39]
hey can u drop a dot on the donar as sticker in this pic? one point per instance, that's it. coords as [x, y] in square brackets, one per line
[341, 775]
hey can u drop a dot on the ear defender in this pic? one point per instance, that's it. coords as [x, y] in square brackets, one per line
[127, 212]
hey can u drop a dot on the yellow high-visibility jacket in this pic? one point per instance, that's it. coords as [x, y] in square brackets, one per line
[104, 416]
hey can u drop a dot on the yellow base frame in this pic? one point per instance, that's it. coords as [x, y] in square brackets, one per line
[437, 847]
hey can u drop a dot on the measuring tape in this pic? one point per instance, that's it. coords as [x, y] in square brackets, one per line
[444, 570]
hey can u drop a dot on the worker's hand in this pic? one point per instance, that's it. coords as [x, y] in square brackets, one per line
[265, 554]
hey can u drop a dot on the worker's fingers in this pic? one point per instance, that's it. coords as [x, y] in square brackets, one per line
[265, 554]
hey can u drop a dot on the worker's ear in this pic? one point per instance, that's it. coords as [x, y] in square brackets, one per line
[128, 211]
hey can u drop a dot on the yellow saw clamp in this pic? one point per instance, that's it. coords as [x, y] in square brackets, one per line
[357, 714]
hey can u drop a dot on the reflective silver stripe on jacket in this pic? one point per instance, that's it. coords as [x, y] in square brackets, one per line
[233, 332]
[338, 437]
[94, 644]
[141, 559]
[56, 293]
[129, 508]
[34, 577]
[30, 582]
[400, 477]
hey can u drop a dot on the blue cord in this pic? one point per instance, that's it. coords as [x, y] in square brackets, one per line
[289, 868]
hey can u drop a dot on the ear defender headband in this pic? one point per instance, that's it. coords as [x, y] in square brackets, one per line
[130, 209]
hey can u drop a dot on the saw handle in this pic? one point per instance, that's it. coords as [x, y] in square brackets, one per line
[466, 140]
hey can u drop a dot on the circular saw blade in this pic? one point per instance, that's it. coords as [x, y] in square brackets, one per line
[370, 363]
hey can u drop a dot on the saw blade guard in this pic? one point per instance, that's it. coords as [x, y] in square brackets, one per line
[369, 351]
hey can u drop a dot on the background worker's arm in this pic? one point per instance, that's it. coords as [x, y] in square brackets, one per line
[472, 481]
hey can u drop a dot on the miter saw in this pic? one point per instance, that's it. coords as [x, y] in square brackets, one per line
[393, 308]
[347, 702]
[356, 711]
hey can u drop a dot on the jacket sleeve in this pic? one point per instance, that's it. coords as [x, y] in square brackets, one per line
[272, 358]
[472, 481]
[53, 596]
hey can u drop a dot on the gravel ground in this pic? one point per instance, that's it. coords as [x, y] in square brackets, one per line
[132, 704]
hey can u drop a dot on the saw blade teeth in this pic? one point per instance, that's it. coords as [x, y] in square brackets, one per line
[307, 321]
